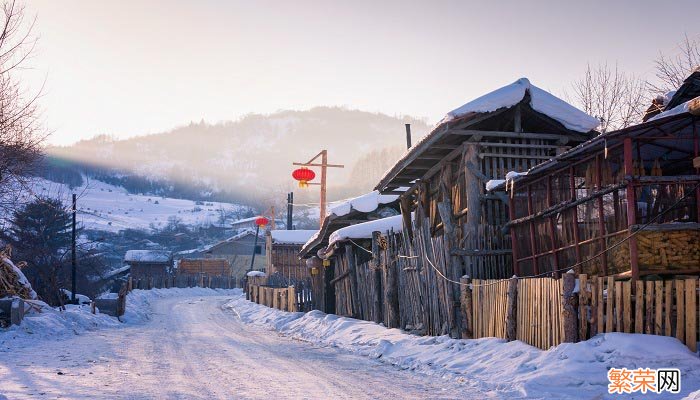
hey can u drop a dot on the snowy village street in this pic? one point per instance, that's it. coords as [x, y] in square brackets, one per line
[193, 349]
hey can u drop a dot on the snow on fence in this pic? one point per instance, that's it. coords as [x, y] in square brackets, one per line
[545, 312]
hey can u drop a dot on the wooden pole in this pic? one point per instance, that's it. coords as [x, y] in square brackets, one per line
[569, 302]
[324, 162]
[74, 271]
[377, 263]
[511, 309]
[631, 206]
[466, 298]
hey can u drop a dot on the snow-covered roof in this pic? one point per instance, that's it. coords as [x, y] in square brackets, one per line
[541, 111]
[679, 109]
[148, 256]
[291, 237]
[364, 230]
[540, 100]
[366, 203]
[255, 273]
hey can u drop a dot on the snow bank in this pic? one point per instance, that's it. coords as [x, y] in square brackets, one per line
[77, 319]
[300, 236]
[540, 100]
[505, 369]
[255, 273]
[364, 230]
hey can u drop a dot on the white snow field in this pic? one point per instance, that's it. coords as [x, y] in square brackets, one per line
[106, 207]
[213, 344]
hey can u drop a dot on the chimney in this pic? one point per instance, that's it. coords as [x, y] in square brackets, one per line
[408, 136]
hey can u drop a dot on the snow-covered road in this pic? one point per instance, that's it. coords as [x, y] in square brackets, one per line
[194, 349]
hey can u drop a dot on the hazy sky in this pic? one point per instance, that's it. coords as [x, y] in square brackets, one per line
[134, 67]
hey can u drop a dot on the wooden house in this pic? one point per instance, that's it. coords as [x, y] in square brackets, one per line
[236, 250]
[282, 247]
[370, 206]
[365, 267]
[624, 203]
[205, 266]
[454, 226]
[149, 263]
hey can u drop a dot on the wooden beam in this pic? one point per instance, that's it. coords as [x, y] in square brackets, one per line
[497, 155]
[436, 168]
[429, 157]
[444, 146]
[473, 252]
[419, 167]
[520, 146]
[518, 135]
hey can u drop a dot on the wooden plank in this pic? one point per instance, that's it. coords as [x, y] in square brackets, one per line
[639, 307]
[680, 310]
[649, 308]
[601, 304]
[609, 316]
[583, 306]
[691, 313]
[668, 306]
[618, 307]
[627, 305]
[658, 307]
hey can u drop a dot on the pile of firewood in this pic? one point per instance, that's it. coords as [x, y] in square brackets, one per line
[12, 280]
[662, 250]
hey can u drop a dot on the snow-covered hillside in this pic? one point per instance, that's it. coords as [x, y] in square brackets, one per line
[111, 208]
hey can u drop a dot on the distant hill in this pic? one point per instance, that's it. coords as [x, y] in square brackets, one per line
[248, 160]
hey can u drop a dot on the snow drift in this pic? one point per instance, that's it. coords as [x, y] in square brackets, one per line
[504, 369]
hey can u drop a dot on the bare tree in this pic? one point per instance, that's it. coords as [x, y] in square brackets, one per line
[617, 99]
[20, 128]
[672, 70]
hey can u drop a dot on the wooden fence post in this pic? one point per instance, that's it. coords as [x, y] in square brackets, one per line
[292, 299]
[377, 265]
[16, 311]
[570, 319]
[466, 292]
[512, 310]
[130, 285]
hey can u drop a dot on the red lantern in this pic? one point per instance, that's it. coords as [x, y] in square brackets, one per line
[303, 175]
[261, 221]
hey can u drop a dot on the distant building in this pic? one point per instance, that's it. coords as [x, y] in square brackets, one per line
[145, 263]
[207, 266]
[237, 250]
[283, 253]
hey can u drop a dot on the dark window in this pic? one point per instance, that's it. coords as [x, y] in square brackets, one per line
[258, 249]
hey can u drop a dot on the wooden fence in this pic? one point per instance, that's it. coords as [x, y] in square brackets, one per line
[184, 281]
[535, 309]
[667, 308]
[285, 299]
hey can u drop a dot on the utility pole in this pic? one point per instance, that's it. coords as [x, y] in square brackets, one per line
[255, 246]
[72, 258]
[290, 209]
[324, 166]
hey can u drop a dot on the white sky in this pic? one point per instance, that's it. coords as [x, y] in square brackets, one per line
[134, 67]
